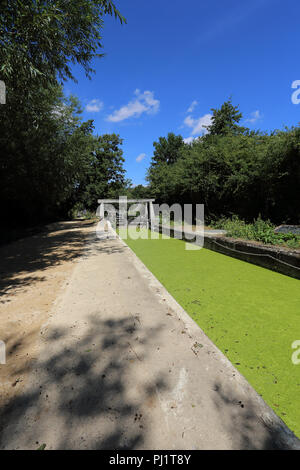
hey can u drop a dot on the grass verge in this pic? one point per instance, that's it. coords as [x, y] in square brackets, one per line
[260, 230]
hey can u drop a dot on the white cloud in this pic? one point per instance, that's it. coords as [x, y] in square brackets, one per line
[140, 157]
[143, 103]
[94, 106]
[189, 140]
[255, 116]
[197, 125]
[192, 106]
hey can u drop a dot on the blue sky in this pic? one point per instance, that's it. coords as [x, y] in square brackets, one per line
[173, 61]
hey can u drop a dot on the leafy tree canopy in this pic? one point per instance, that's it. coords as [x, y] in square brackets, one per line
[42, 38]
[139, 192]
[46, 152]
[167, 149]
[232, 171]
[105, 176]
[225, 120]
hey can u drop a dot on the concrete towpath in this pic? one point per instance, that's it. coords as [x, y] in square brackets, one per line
[121, 366]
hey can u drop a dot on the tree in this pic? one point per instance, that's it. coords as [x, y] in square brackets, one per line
[105, 176]
[167, 149]
[41, 38]
[43, 152]
[161, 176]
[235, 173]
[225, 120]
[139, 192]
[45, 149]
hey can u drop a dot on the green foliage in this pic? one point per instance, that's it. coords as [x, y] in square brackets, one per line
[78, 211]
[259, 230]
[43, 149]
[167, 152]
[46, 151]
[225, 120]
[41, 38]
[50, 160]
[233, 172]
[138, 192]
[105, 175]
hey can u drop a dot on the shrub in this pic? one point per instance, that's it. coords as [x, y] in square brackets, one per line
[260, 230]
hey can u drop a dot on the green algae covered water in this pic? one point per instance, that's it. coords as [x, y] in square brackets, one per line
[251, 313]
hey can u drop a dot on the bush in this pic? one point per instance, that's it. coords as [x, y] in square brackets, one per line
[260, 230]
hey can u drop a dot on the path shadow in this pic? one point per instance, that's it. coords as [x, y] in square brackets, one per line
[23, 262]
[82, 390]
[246, 429]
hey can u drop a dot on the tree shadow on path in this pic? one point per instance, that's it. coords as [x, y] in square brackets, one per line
[240, 420]
[80, 395]
[23, 262]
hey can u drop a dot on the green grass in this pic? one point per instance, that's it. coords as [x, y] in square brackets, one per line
[252, 314]
[260, 230]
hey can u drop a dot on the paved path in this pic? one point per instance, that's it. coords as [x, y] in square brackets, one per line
[122, 366]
